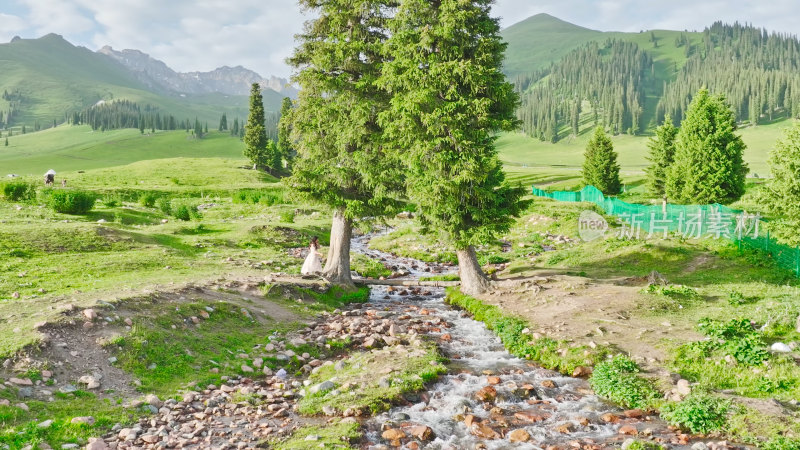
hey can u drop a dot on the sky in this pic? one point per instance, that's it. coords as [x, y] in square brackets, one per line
[201, 35]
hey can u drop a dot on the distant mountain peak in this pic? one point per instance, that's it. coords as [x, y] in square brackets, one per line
[549, 23]
[226, 80]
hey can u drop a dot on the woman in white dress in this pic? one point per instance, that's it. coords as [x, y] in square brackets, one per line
[312, 264]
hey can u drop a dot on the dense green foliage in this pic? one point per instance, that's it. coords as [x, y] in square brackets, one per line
[341, 158]
[662, 154]
[284, 143]
[449, 98]
[618, 381]
[570, 77]
[127, 114]
[757, 71]
[71, 201]
[600, 168]
[708, 165]
[611, 77]
[16, 191]
[698, 413]
[783, 190]
[258, 149]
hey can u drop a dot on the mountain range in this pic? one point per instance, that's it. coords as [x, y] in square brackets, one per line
[226, 80]
[570, 78]
[47, 79]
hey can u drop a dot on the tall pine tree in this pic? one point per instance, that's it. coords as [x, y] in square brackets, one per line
[449, 99]
[708, 166]
[341, 157]
[782, 193]
[662, 153]
[255, 135]
[223, 123]
[284, 133]
[600, 168]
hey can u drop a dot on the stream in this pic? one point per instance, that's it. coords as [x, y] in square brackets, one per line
[553, 410]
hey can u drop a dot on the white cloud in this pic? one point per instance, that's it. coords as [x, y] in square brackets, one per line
[259, 34]
[10, 25]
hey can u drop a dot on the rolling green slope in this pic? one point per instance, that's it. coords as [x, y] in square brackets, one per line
[54, 78]
[72, 148]
[566, 156]
[540, 40]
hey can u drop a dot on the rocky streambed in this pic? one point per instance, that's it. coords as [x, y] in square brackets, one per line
[488, 399]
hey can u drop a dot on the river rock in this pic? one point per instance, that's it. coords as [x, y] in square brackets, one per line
[493, 380]
[519, 435]
[393, 434]
[326, 385]
[96, 444]
[484, 431]
[565, 428]
[152, 399]
[529, 416]
[421, 432]
[780, 347]
[87, 420]
[90, 314]
[683, 388]
[550, 384]
[581, 372]
[21, 381]
[629, 430]
[486, 394]
[90, 381]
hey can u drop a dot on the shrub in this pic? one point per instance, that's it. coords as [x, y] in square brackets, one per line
[71, 202]
[617, 380]
[165, 205]
[736, 337]
[698, 413]
[16, 191]
[148, 199]
[782, 443]
[287, 216]
[185, 212]
[111, 202]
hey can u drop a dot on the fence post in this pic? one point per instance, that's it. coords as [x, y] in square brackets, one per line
[797, 261]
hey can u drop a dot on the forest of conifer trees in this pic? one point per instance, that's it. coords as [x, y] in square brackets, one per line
[605, 83]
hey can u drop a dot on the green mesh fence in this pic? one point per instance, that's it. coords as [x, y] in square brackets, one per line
[693, 221]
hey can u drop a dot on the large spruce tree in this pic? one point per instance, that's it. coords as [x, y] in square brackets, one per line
[285, 148]
[341, 158]
[449, 98]
[662, 153]
[708, 165]
[255, 134]
[600, 168]
[782, 193]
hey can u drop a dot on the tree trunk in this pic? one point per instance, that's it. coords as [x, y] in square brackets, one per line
[337, 267]
[473, 280]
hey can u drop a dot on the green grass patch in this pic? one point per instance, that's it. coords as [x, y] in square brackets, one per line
[368, 267]
[447, 277]
[373, 381]
[549, 353]
[336, 297]
[164, 358]
[339, 435]
[618, 381]
[18, 428]
[698, 413]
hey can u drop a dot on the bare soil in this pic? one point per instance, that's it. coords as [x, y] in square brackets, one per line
[70, 350]
[590, 311]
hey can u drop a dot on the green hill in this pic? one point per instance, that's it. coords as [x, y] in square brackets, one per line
[47, 79]
[73, 148]
[571, 79]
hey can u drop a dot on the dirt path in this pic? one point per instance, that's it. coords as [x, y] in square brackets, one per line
[588, 311]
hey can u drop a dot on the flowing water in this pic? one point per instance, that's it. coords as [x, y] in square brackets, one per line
[551, 408]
